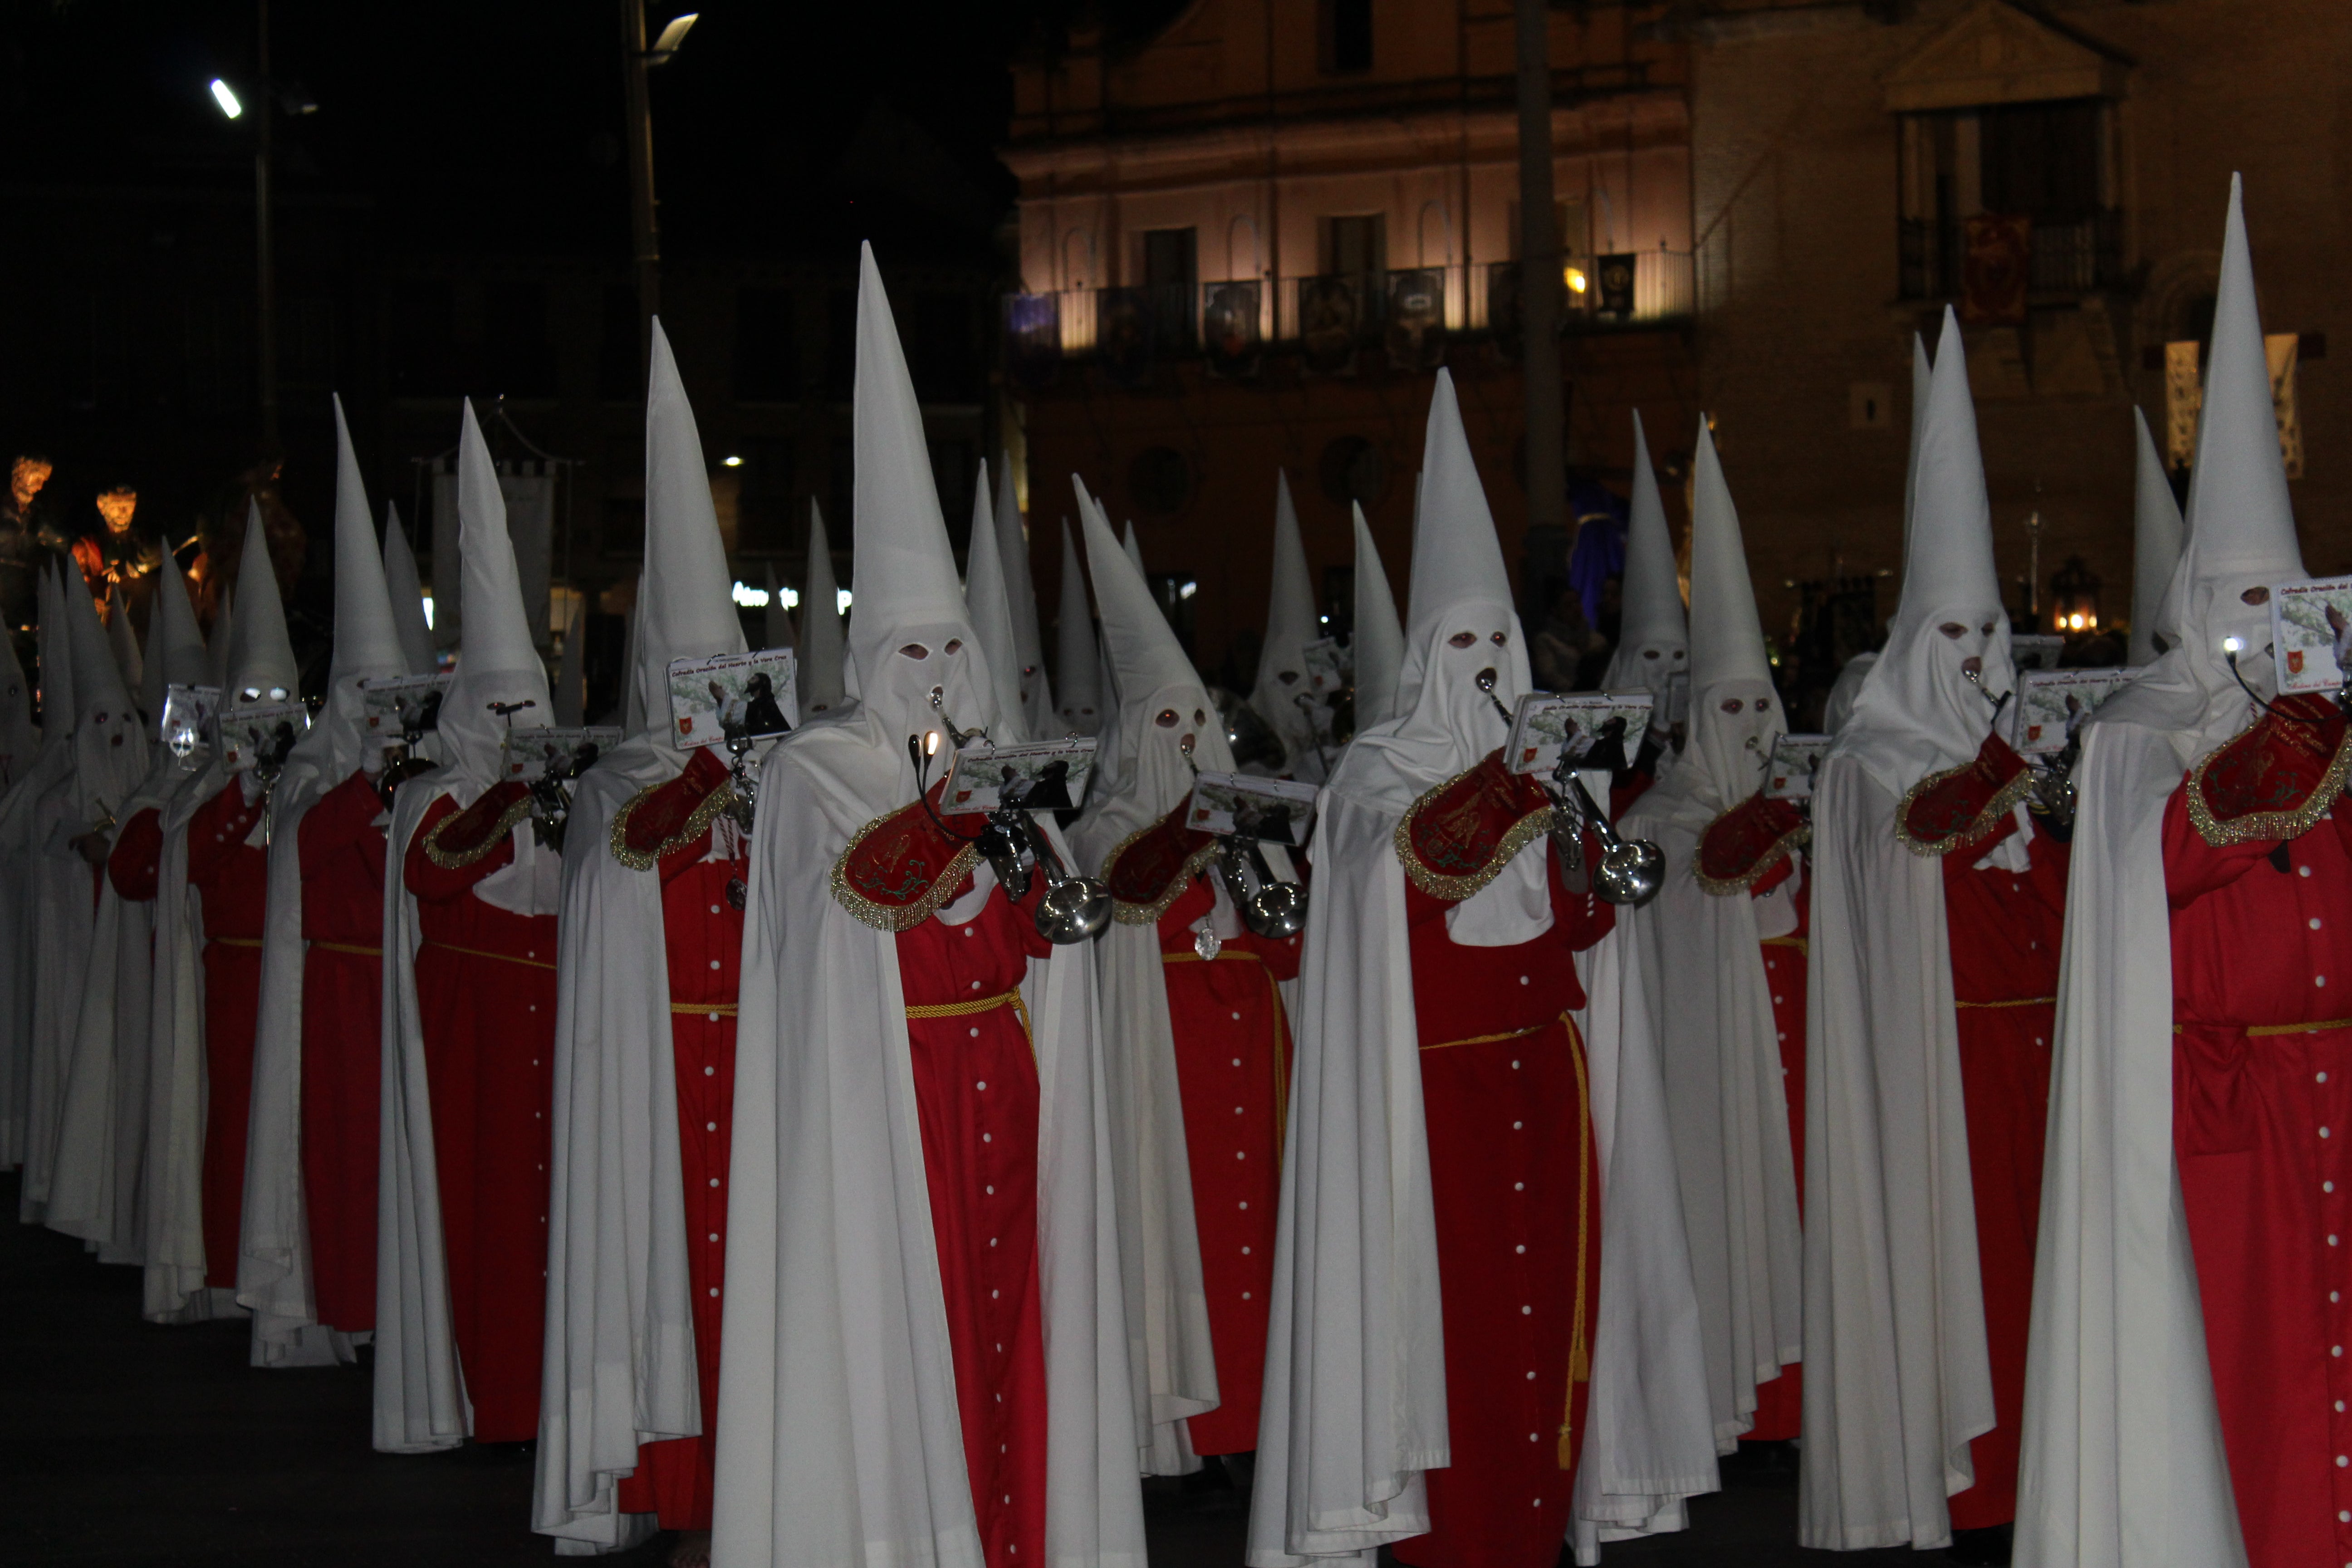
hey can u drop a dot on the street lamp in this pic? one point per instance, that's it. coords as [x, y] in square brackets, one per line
[636, 61]
[227, 98]
[265, 286]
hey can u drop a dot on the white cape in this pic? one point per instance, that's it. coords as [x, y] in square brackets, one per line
[841, 1442]
[63, 913]
[1706, 990]
[1355, 1380]
[2123, 1464]
[1896, 1377]
[619, 1366]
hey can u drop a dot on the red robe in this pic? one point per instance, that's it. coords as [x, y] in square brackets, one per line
[703, 934]
[1780, 1401]
[1517, 1184]
[2004, 930]
[486, 996]
[976, 1099]
[233, 879]
[341, 855]
[1233, 1072]
[2262, 1111]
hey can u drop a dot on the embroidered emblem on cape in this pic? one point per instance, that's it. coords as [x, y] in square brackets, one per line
[1457, 837]
[1957, 807]
[661, 819]
[2275, 778]
[1742, 845]
[462, 837]
[900, 869]
[1151, 868]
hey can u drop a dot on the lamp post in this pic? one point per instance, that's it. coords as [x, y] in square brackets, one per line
[644, 227]
[265, 345]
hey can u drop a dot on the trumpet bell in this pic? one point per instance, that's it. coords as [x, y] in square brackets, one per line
[1632, 871]
[1074, 910]
[1275, 910]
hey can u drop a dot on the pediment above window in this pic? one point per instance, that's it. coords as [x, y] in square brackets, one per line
[1994, 53]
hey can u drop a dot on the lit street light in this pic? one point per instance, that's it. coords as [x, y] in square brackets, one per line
[227, 98]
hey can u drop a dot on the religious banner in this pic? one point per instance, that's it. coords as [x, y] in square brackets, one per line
[1416, 328]
[1033, 339]
[1123, 335]
[1229, 328]
[1613, 280]
[1328, 311]
[1996, 269]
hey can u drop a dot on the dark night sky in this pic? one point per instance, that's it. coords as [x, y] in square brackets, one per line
[495, 125]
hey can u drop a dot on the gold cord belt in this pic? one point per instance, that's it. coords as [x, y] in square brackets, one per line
[967, 1009]
[2015, 1002]
[348, 947]
[1580, 1357]
[1796, 942]
[1490, 1040]
[2324, 1027]
[1189, 956]
[500, 957]
[724, 1009]
[237, 940]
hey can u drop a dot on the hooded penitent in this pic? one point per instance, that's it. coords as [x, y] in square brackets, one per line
[40, 900]
[1378, 647]
[2180, 1403]
[1077, 675]
[407, 595]
[1037, 711]
[1387, 1417]
[210, 874]
[645, 1059]
[1720, 943]
[470, 938]
[309, 1242]
[1927, 876]
[96, 1194]
[1196, 1061]
[860, 1388]
[1283, 695]
[2156, 548]
[107, 756]
[989, 600]
[1652, 641]
[820, 673]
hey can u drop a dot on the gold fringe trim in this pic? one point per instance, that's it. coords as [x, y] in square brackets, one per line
[2268, 824]
[1453, 890]
[720, 797]
[899, 917]
[2004, 799]
[1796, 839]
[1180, 881]
[458, 859]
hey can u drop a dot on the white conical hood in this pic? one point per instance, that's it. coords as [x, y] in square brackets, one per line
[56, 649]
[571, 671]
[175, 644]
[1020, 586]
[1444, 723]
[1652, 640]
[905, 571]
[1379, 645]
[2239, 528]
[1923, 376]
[685, 606]
[2155, 546]
[1727, 659]
[122, 642]
[406, 591]
[1917, 712]
[990, 606]
[110, 743]
[1291, 623]
[823, 682]
[499, 677]
[1134, 549]
[775, 623]
[367, 634]
[261, 667]
[1149, 776]
[1077, 674]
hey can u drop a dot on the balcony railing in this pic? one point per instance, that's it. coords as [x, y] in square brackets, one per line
[1408, 314]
